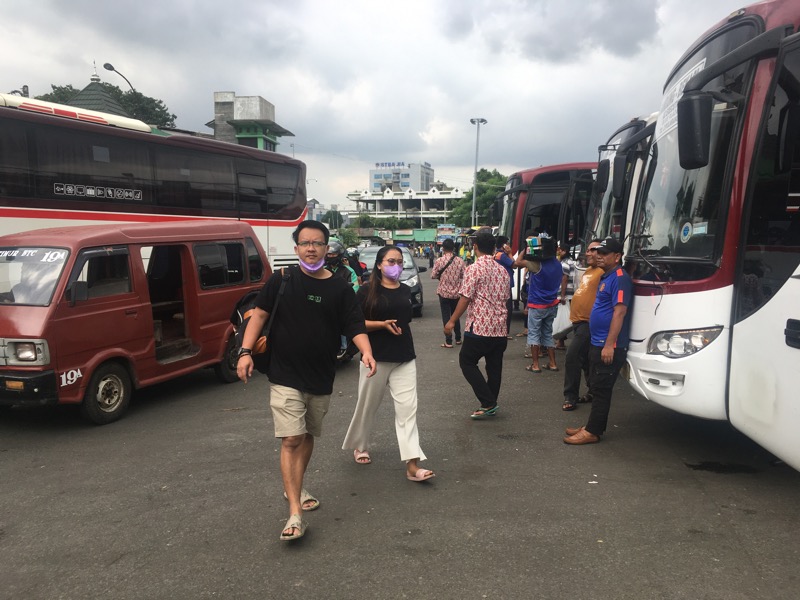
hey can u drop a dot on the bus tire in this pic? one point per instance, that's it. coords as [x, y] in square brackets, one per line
[226, 369]
[108, 394]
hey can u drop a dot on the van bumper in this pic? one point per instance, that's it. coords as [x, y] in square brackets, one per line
[28, 389]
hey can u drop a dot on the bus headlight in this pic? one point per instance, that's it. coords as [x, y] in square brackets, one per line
[677, 344]
[26, 353]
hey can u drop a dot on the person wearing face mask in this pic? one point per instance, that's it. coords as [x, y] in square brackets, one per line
[334, 262]
[316, 308]
[386, 304]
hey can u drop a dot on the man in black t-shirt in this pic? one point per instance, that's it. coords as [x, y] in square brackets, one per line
[315, 310]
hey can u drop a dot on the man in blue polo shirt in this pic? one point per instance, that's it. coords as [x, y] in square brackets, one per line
[609, 327]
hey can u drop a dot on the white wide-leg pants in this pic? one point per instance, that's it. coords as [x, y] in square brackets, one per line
[401, 379]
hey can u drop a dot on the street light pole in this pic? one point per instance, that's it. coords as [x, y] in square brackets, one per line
[110, 67]
[476, 121]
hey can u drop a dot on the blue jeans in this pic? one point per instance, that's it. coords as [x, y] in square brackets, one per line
[540, 326]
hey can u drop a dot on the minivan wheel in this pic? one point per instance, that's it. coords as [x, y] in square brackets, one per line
[108, 394]
[226, 369]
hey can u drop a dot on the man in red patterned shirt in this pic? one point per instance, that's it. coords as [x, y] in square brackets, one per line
[483, 296]
[449, 270]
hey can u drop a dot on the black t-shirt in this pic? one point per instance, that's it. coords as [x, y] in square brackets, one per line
[312, 316]
[391, 304]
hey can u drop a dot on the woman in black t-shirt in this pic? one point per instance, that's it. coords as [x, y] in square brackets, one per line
[386, 304]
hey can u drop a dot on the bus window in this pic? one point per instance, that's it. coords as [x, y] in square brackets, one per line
[196, 181]
[772, 244]
[79, 166]
[14, 169]
[282, 184]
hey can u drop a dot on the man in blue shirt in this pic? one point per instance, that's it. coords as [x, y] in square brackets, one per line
[609, 327]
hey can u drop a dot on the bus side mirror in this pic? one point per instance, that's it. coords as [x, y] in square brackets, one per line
[694, 129]
[601, 182]
[618, 181]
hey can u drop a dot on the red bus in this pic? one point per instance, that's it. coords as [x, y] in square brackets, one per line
[550, 200]
[61, 165]
[715, 250]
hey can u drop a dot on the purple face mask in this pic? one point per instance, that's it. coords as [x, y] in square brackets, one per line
[392, 271]
[313, 267]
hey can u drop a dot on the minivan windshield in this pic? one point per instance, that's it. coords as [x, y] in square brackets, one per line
[29, 275]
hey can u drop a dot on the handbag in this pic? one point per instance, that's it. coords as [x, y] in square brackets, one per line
[243, 312]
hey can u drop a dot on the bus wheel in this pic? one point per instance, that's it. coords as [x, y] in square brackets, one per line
[108, 394]
[226, 369]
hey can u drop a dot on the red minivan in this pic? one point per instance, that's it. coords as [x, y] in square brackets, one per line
[90, 313]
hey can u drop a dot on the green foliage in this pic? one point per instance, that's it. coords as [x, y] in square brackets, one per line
[150, 110]
[490, 184]
[349, 237]
[364, 221]
[333, 218]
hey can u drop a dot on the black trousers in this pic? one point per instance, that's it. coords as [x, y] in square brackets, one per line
[491, 349]
[602, 378]
[577, 360]
[448, 306]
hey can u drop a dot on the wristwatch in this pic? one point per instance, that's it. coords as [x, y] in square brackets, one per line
[244, 352]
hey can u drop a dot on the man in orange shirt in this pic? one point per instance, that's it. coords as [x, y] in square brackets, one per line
[577, 358]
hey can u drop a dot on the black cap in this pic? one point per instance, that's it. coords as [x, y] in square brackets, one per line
[609, 245]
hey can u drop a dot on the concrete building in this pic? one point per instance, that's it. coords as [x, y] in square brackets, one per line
[246, 120]
[400, 176]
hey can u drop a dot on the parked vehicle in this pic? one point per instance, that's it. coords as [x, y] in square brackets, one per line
[410, 275]
[90, 313]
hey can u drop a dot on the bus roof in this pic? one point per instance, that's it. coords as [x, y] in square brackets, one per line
[528, 175]
[72, 112]
[80, 236]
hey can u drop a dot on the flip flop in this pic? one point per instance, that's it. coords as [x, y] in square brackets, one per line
[306, 497]
[294, 522]
[458, 342]
[421, 475]
[484, 412]
[569, 405]
[446, 345]
[532, 370]
[522, 334]
[549, 368]
[361, 457]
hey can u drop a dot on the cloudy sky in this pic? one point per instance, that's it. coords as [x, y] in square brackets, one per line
[365, 81]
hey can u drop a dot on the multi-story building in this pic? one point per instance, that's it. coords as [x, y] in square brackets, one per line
[406, 191]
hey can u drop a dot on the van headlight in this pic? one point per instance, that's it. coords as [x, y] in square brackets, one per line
[27, 352]
[677, 344]
[412, 281]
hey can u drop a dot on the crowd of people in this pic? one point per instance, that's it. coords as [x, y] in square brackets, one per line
[325, 303]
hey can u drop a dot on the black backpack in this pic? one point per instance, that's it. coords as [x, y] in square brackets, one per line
[241, 317]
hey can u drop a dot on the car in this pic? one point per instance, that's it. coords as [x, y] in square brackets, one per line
[409, 276]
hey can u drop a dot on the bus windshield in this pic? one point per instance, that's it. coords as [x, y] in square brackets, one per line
[509, 200]
[680, 214]
[29, 275]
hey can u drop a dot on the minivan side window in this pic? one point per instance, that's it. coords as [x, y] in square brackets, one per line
[254, 261]
[220, 265]
[105, 271]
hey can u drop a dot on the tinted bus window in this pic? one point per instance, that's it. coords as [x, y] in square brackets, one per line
[196, 181]
[282, 182]
[14, 169]
[80, 166]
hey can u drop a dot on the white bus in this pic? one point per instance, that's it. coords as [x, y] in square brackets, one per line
[715, 250]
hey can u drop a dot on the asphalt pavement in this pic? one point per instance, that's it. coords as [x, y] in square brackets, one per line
[182, 499]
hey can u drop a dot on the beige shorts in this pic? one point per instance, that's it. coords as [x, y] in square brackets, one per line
[295, 412]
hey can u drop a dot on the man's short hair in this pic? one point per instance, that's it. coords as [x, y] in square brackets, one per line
[448, 245]
[313, 225]
[484, 240]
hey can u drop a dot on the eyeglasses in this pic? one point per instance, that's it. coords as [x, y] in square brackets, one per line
[591, 249]
[393, 261]
[316, 244]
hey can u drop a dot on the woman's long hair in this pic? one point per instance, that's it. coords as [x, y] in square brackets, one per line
[375, 279]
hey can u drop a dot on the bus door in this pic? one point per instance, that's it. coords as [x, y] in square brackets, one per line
[764, 376]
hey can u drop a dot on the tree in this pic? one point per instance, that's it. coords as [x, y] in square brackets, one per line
[349, 237]
[490, 184]
[150, 110]
[333, 218]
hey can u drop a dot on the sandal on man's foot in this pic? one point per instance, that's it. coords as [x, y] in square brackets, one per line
[446, 345]
[586, 399]
[549, 368]
[484, 412]
[533, 369]
[295, 527]
[568, 405]
[307, 501]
